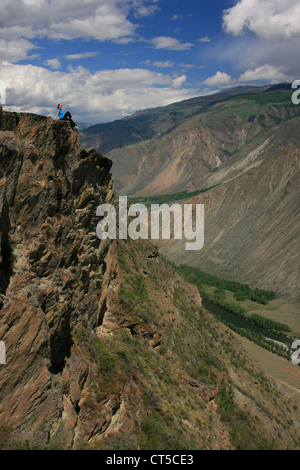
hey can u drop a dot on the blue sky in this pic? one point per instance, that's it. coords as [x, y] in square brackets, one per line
[105, 59]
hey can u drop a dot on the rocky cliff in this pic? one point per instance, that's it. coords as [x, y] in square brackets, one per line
[106, 346]
[52, 263]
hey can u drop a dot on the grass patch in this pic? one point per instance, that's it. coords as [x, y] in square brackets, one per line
[241, 291]
[157, 435]
[167, 198]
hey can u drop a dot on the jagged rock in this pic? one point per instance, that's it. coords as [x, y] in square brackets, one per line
[46, 258]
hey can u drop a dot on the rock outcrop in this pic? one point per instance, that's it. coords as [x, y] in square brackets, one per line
[52, 264]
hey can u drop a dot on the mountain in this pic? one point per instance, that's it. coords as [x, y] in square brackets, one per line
[175, 148]
[82, 125]
[184, 158]
[107, 347]
[252, 219]
[149, 123]
[242, 148]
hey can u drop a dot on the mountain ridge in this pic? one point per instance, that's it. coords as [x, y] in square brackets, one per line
[228, 144]
[134, 124]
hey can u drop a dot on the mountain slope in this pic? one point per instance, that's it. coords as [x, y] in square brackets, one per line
[252, 224]
[245, 147]
[183, 158]
[107, 347]
[149, 123]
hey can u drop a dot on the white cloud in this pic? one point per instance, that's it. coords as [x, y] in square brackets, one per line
[53, 63]
[158, 63]
[70, 19]
[163, 64]
[220, 79]
[179, 81]
[143, 9]
[267, 73]
[264, 72]
[277, 19]
[103, 96]
[15, 50]
[191, 66]
[170, 43]
[204, 39]
[84, 55]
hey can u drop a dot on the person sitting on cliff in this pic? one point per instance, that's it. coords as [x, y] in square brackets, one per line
[65, 117]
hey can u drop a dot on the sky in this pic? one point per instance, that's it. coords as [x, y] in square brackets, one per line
[105, 59]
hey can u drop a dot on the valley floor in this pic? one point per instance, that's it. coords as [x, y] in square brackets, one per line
[275, 367]
[280, 309]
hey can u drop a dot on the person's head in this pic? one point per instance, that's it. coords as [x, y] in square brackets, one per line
[59, 106]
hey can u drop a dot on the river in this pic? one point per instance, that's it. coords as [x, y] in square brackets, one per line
[242, 323]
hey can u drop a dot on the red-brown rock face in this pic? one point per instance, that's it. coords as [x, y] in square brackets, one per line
[51, 265]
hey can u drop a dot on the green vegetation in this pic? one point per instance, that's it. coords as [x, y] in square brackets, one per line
[257, 338]
[213, 289]
[157, 435]
[241, 291]
[169, 384]
[225, 400]
[220, 300]
[276, 97]
[166, 198]
[242, 432]
[268, 324]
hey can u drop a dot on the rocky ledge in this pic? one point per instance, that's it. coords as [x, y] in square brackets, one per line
[51, 265]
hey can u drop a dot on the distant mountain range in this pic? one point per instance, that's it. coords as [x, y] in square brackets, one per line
[177, 147]
[244, 143]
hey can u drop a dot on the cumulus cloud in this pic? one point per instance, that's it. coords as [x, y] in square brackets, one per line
[70, 19]
[15, 50]
[220, 79]
[53, 63]
[179, 81]
[91, 97]
[277, 19]
[264, 72]
[170, 43]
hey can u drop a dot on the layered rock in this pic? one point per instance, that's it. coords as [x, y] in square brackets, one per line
[52, 264]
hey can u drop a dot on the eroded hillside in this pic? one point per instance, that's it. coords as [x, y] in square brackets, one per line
[216, 142]
[252, 225]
